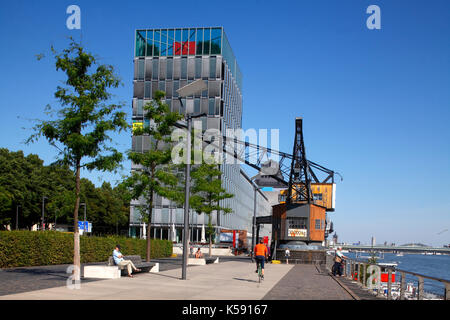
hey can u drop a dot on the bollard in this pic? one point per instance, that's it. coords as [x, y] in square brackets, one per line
[389, 295]
[364, 275]
[402, 286]
[358, 273]
[420, 289]
[447, 291]
[345, 268]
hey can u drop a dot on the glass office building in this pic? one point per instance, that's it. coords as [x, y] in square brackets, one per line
[166, 60]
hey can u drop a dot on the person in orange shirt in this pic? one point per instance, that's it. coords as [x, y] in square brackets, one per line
[260, 255]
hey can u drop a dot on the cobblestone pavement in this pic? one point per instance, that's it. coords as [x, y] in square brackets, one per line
[18, 280]
[306, 282]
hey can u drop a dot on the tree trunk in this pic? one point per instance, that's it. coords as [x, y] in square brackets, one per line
[150, 213]
[210, 235]
[76, 233]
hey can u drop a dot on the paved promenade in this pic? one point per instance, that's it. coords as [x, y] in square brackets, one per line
[230, 280]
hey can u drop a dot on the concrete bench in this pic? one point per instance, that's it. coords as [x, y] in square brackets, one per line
[101, 272]
[137, 261]
[202, 261]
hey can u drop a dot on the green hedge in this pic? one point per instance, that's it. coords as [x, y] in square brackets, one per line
[36, 248]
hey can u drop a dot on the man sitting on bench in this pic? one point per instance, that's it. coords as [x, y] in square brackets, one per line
[120, 261]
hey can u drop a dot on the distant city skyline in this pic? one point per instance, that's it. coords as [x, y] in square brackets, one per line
[375, 102]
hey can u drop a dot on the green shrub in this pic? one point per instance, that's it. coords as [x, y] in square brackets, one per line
[35, 248]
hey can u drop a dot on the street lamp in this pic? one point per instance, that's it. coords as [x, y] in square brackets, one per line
[188, 90]
[17, 216]
[255, 189]
[84, 204]
[42, 224]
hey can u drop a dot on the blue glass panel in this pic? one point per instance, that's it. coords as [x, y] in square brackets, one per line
[199, 41]
[156, 43]
[140, 44]
[206, 40]
[216, 40]
[149, 49]
[170, 41]
[177, 45]
[163, 42]
[191, 41]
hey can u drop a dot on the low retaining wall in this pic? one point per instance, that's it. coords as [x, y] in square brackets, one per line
[205, 250]
[303, 256]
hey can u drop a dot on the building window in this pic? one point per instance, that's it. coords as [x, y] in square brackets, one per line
[317, 196]
[199, 50]
[317, 224]
[296, 223]
[140, 43]
[216, 40]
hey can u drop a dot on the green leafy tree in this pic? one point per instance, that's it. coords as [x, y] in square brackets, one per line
[207, 192]
[84, 121]
[155, 175]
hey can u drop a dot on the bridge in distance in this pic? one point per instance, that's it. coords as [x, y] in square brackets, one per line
[395, 249]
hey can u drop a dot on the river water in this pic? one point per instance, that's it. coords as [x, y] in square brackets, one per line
[437, 266]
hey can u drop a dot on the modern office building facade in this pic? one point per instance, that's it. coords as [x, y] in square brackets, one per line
[166, 60]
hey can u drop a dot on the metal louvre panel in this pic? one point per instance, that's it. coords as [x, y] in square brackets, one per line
[218, 104]
[155, 69]
[135, 69]
[212, 67]
[204, 105]
[154, 87]
[214, 88]
[134, 104]
[169, 64]
[184, 68]
[148, 68]
[176, 68]
[191, 68]
[148, 89]
[205, 67]
[198, 67]
[176, 105]
[162, 68]
[144, 102]
[169, 88]
[213, 123]
[146, 143]
[137, 143]
[141, 69]
[219, 67]
[138, 89]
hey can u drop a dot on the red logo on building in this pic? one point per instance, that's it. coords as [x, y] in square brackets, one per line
[184, 48]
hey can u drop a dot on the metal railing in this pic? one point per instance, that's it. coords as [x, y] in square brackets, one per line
[357, 271]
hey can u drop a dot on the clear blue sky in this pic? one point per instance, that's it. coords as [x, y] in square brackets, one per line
[375, 103]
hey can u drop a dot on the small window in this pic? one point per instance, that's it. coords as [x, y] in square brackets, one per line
[318, 223]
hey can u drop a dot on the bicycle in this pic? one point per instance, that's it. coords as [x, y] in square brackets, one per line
[260, 275]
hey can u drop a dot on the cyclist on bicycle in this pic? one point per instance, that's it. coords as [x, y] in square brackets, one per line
[260, 255]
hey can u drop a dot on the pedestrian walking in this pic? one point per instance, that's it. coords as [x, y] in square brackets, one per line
[287, 254]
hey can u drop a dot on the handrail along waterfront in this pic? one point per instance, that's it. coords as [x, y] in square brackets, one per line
[350, 268]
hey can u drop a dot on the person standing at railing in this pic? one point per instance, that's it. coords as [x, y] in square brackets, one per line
[338, 262]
